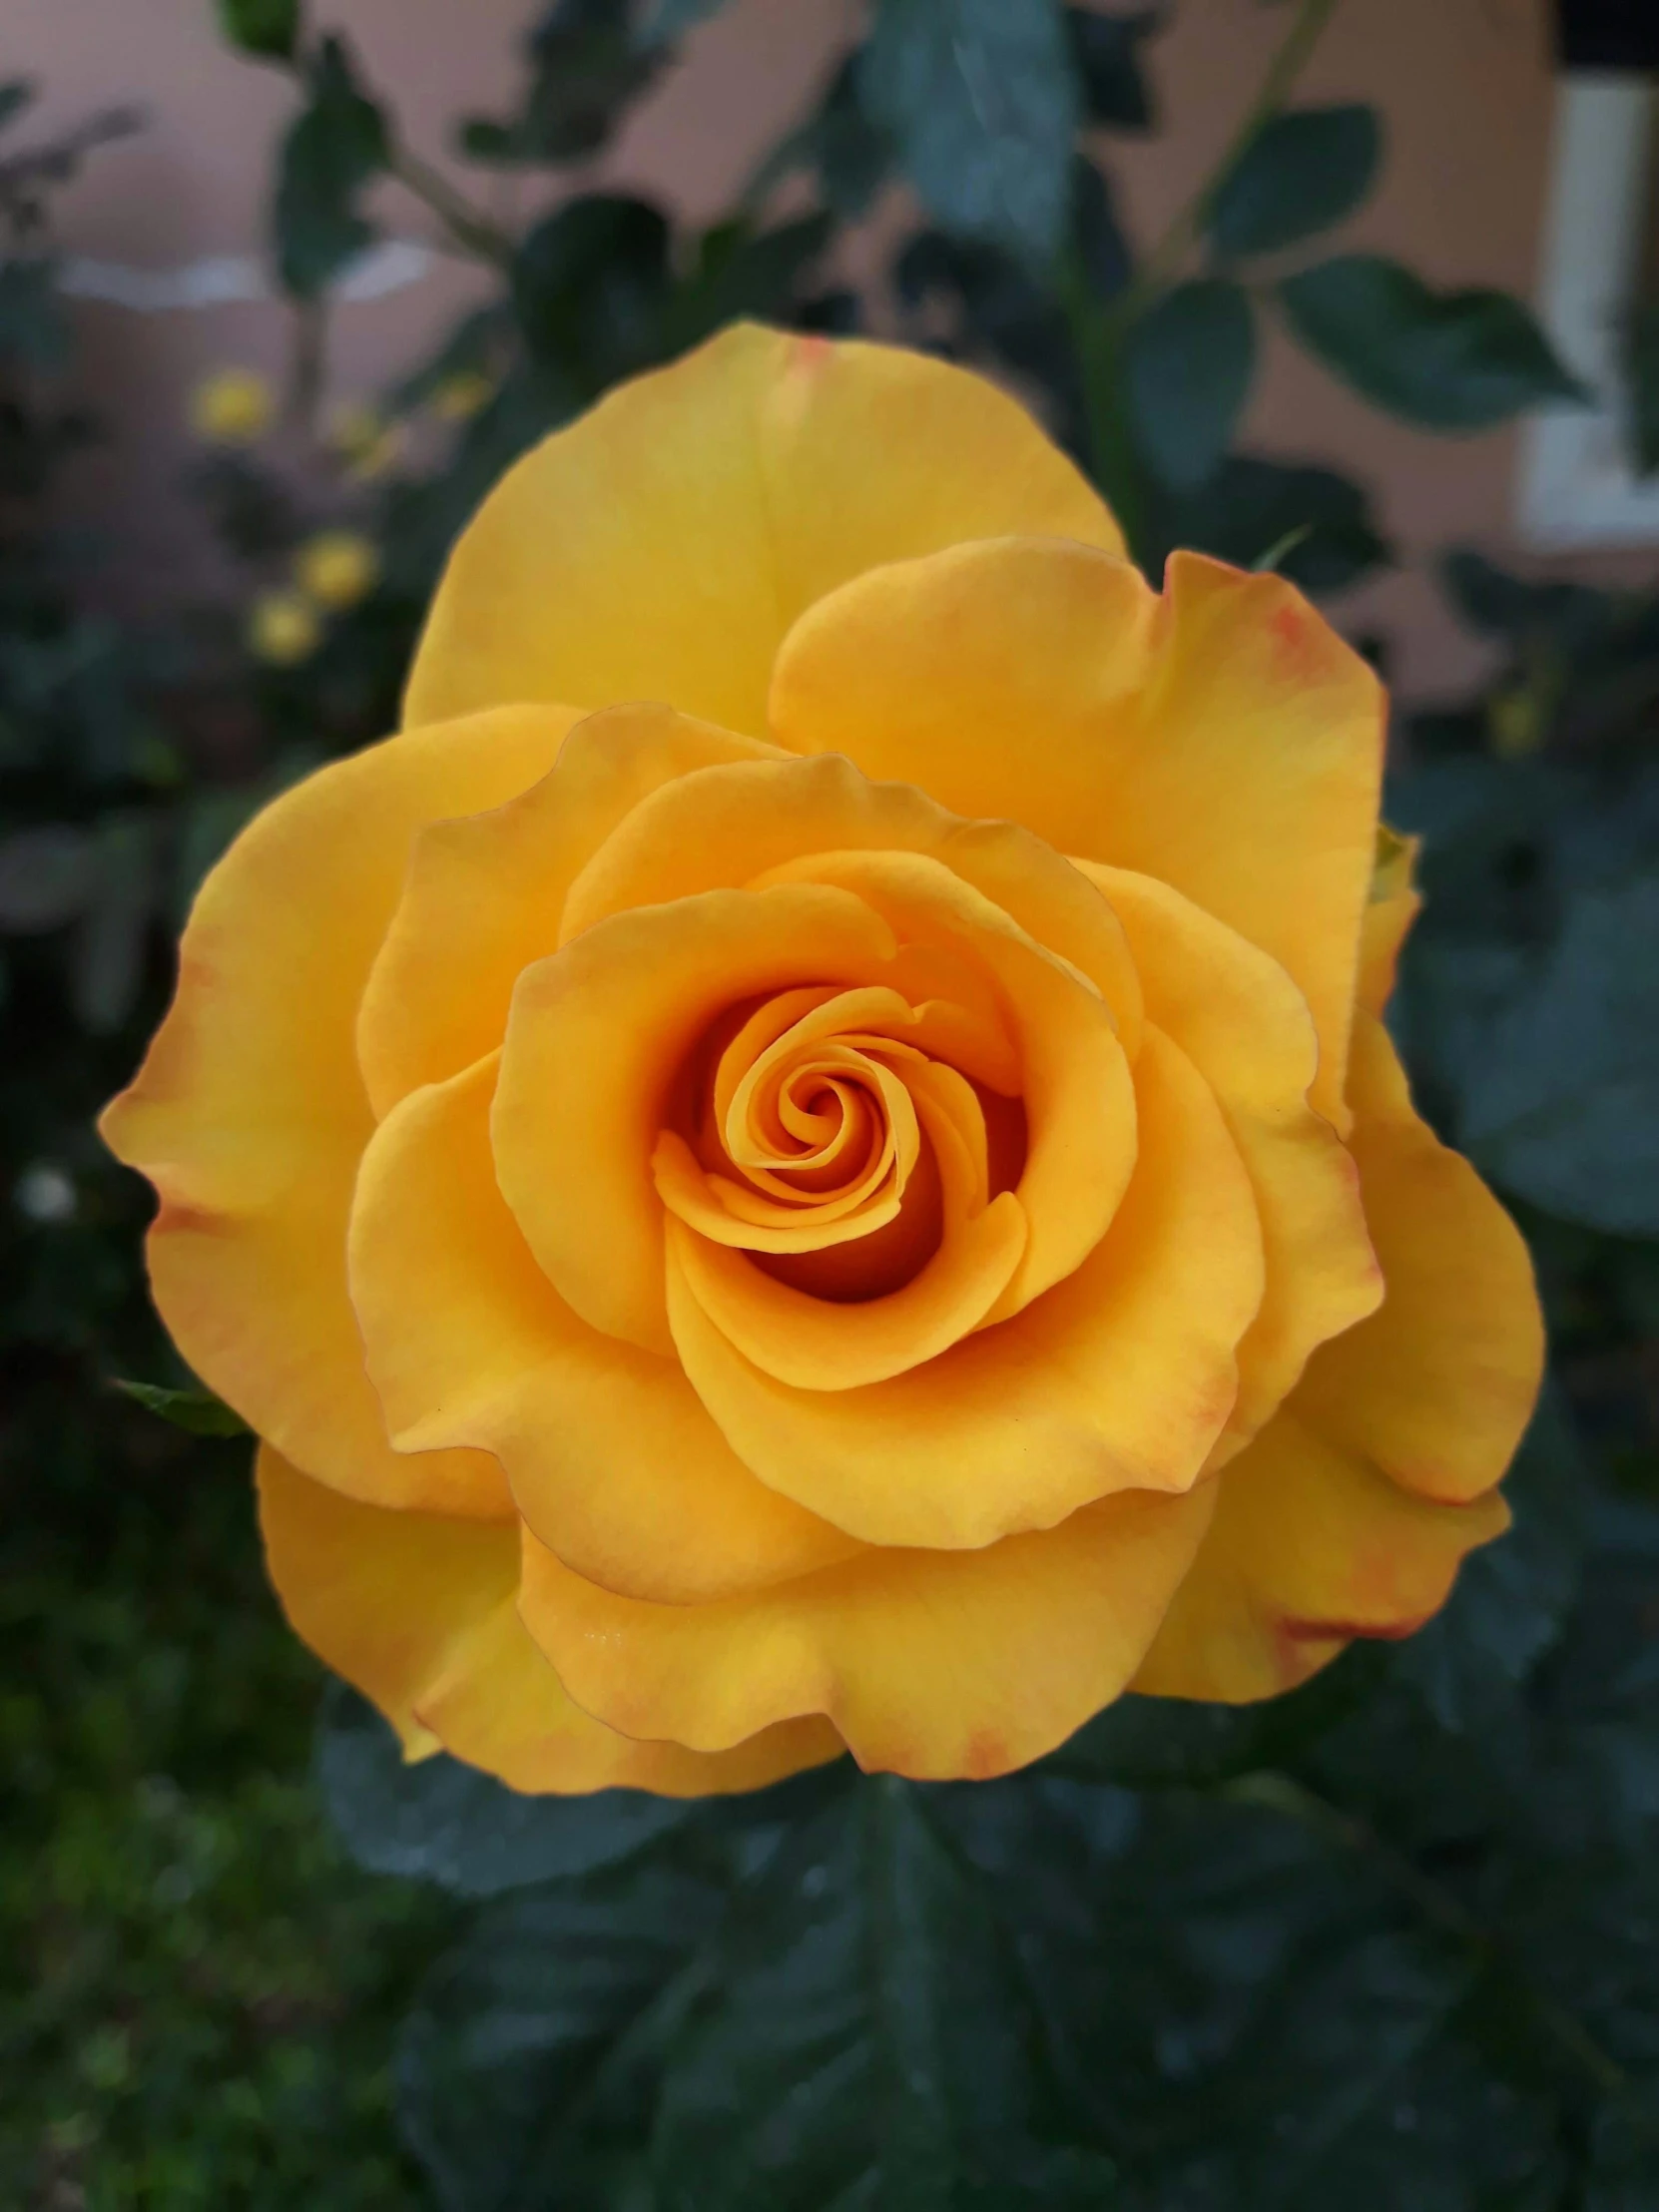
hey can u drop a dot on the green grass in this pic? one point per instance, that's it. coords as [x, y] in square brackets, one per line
[198, 1994]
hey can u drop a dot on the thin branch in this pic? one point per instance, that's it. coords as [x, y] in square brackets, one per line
[468, 226]
[1295, 52]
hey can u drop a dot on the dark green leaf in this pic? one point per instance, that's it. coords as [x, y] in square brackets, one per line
[1188, 365]
[1641, 364]
[1106, 51]
[197, 1411]
[446, 1823]
[851, 155]
[16, 94]
[591, 288]
[337, 148]
[1451, 361]
[665, 20]
[743, 274]
[1097, 237]
[268, 27]
[1511, 1598]
[982, 103]
[33, 330]
[1176, 1743]
[527, 2067]
[1521, 609]
[861, 2039]
[586, 68]
[1319, 522]
[1300, 174]
[1624, 2162]
[1563, 1106]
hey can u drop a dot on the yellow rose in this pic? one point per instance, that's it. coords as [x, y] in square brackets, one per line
[283, 628]
[233, 406]
[807, 1159]
[337, 568]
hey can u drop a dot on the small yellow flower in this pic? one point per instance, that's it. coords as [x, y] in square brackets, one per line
[364, 439]
[283, 628]
[1515, 722]
[458, 397]
[337, 568]
[233, 406]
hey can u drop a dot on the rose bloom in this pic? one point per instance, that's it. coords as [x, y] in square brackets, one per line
[807, 1159]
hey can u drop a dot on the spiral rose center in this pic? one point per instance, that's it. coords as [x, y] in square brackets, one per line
[818, 1133]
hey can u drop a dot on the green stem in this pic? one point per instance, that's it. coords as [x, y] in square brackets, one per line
[1282, 1793]
[1292, 58]
[473, 232]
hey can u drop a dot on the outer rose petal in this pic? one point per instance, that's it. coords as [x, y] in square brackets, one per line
[1221, 737]
[612, 1458]
[1311, 1546]
[1350, 1513]
[660, 546]
[417, 1611]
[1120, 1378]
[939, 1665]
[1249, 1034]
[485, 893]
[249, 1114]
[1438, 1387]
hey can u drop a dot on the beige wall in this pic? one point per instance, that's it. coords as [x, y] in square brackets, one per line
[1465, 85]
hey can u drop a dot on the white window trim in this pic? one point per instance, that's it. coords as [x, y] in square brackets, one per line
[1575, 486]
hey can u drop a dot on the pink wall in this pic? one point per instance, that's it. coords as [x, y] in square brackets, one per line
[1465, 84]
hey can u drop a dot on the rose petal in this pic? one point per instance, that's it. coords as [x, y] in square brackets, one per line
[594, 1039]
[611, 1457]
[1439, 1385]
[249, 1114]
[660, 547]
[485, 893]
[1247, 1032]
[1120, 1378]
[417, 1611]
[931, 1664]
[1222, 739]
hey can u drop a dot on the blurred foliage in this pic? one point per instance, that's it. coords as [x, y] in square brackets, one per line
[1394, 1938]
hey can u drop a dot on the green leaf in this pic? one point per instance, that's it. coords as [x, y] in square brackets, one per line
[982, 103]
[337, 148]
[197, 1411]
[1449, 361]
[441, 1820]
[592, 288]
[16, 94]
[1641, 364]
[34, 331]
[1106, 53]
[1300, 174]
[586, 69]
[1176, 1743]
[527, 2068]
[741, 273]
[1563, 1107]
[1319, 524]
[665, 20]
[266, 27]
[860, 2039]
[1188, 366]
[851, 155]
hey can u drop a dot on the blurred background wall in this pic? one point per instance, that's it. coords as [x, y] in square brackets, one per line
[1467, 86]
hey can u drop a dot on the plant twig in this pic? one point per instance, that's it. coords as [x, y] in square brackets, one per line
[1293, 53]
[471, 229]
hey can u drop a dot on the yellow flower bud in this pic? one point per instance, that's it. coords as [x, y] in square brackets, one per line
[337, 568]
[283, 628]
[458, 397]
[233, 407]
